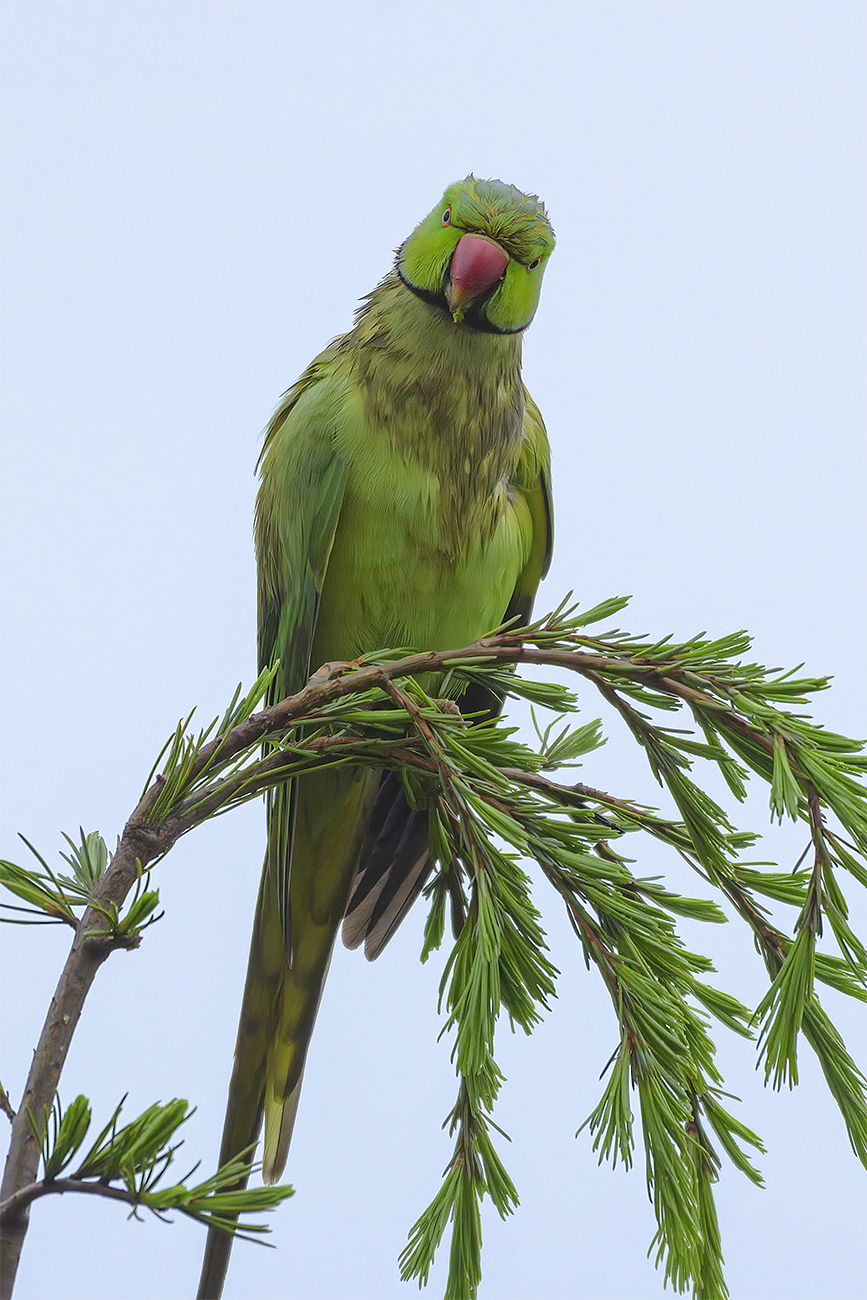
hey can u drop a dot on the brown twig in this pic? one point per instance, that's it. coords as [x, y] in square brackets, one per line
[6, 1105]
[333, 681]
[12, 1208]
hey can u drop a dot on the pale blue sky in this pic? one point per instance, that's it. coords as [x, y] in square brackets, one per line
[196, 195]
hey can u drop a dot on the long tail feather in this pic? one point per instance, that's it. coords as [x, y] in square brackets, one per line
[256, 1029]
[281, 1000]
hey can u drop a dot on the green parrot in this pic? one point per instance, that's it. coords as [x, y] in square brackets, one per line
[404, 501]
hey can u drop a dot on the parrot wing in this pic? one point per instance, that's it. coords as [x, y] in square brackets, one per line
[297, 517]
[297, 513]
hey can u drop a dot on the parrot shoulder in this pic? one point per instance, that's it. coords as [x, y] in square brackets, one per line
[533, 479]
[303, 471]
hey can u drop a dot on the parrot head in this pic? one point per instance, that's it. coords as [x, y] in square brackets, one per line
[480, 255]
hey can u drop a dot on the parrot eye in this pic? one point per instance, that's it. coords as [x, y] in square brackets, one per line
[446, 217]
[535, 262]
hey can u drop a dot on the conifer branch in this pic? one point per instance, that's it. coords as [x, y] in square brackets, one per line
[491, 803]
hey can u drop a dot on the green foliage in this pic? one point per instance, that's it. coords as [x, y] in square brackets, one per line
[665, 1054]
[53, 898]
[130, 1162]
[493, 803]
[138, 916]
[186, 769]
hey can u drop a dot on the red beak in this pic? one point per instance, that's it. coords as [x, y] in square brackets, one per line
[477, 263]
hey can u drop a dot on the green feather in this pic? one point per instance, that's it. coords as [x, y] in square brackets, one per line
[404, 501]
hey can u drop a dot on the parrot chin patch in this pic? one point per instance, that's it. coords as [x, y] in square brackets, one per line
[471, 315]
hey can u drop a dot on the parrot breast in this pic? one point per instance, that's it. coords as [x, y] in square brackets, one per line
[431, 537]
